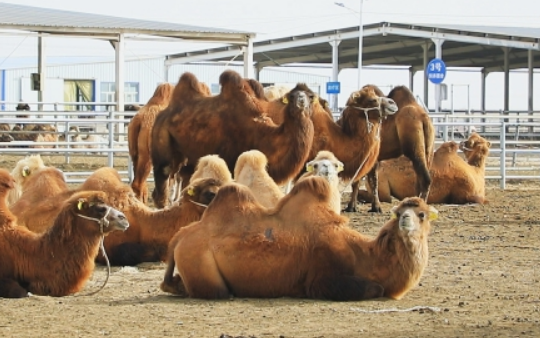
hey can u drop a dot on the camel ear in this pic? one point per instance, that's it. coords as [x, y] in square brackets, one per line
[285, 100]
[433, 214]
[394, 212]
[191, 191]
[26, 171]
[488, 144]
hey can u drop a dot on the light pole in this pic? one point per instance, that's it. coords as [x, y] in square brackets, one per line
[360, 38]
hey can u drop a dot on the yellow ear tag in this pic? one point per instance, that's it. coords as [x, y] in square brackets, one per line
[190, 191]
[394, 215]
[25, 172]
[285, 100]
[433, 214]
[340, 168]
[309, 168]
[80, 204]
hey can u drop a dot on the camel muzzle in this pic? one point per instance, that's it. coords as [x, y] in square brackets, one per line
[390, 106]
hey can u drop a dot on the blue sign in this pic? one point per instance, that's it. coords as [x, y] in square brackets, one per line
[333, 87]
[436, 71]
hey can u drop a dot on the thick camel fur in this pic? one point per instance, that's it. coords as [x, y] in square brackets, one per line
[59, 261]
[251, 170]
[326, 165]
[239, 248]
[22, 172]
[7, 183]
[408, 132]
[42, 198]
[455, 181]
[212, 166]
[224, 125]
[139, 138]
[276, 92]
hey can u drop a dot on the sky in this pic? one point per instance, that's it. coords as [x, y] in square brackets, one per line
[272, 19]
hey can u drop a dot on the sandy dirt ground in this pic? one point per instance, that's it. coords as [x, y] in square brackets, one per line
[483, 280]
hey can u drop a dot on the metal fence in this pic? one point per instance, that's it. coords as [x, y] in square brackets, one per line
[514, 154]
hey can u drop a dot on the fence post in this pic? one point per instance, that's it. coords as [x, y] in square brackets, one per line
[503, 155]
[110, 154]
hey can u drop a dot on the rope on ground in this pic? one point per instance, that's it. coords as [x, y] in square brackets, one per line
[414, 308]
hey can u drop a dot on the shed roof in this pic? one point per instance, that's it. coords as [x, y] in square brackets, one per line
[53, 21]
[389, 43]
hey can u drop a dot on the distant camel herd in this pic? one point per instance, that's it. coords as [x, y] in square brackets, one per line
[241, 179]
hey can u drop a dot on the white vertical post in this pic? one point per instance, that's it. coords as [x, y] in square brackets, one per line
[360, 44]
[438, 55]
[411, 78]
[248, 59]
[335, 72]
[530, 61]
[506, 79]
[425, 47]
[41, 71]
[166, 73]
[119, 81]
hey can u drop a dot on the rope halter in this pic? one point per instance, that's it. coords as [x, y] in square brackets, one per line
[199, 204]
[103, 222]
[368, 123]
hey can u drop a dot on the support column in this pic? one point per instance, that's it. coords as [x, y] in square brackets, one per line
[506, 79]
[438, 55]
[257, 73]
[248, 59]
[411, 78]
[426, 82]
[530, 101]
[166, 72]
[119, 47]
[335, 73]
[484, 73]
[41, 71]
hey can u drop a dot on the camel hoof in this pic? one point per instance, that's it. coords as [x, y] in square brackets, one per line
[376, 209]
[175, 286]
[350, 209]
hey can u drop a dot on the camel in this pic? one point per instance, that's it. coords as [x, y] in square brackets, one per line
[276, 92]
[22, 172]
[139, 140]
[408, 132]
[239, 248]
[212, 166]
[250, 171]
[7, 183]
[224, 125]
[454, 181]
[326, 164]
[60, 261]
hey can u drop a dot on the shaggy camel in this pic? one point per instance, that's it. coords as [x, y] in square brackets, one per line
[212, 166]
[250, 171]
[224, 125]
[242, 249]
[276, 92]
[7, 183]
[355, 138]
[59, 261]
[408, 132]
[326, 164]
[139, 138]
[454, 180]
[22, 172]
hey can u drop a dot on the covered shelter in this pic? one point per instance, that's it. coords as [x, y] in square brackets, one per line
[397, 44]
[43, 23]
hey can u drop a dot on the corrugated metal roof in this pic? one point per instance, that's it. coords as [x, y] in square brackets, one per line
[37, 19]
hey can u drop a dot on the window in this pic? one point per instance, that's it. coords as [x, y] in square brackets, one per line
[131, 92]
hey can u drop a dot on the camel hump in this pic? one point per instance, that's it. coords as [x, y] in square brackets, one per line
[232, 196]
[314, 185]
[230, 79]
[257, 89]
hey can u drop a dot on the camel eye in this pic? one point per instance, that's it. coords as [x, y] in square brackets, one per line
[315, 166]
[422, 215]
[372, 100]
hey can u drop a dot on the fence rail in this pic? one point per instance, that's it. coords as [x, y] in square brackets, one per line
[514, 154]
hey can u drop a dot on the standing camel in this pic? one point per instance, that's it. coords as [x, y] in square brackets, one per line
[226, 125]
[408, 132]
[139, 140]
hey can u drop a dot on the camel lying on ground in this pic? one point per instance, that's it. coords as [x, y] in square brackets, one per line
[224, 125]
[139, 138]
[454, 181]
[242, 249]
[250, 171]
[59, 261]
[22, 172]
[408, 132]
[326, 165]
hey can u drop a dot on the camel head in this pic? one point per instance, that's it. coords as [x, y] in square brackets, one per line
[371, 98]
[201, 191]
[325, 164]
[300, 98]
[412, 218]
[475, 145]
[7, 182]
[91, 206]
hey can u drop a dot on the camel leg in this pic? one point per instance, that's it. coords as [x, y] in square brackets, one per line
[373, 181]
[351, 207]
[139, 185]
[161, 188]
[423, 179]
[172, 283]
[344, 288]
[10, 288]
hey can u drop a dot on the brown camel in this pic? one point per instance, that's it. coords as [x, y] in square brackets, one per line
[408, 132]
[139, 140]
[454, 181]
[242, 249]
[224, 125]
